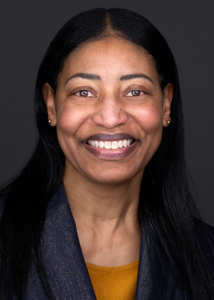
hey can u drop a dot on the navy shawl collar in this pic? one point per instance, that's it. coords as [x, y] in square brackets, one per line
[67, 272]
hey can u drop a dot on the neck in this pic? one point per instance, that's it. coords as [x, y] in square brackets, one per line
[94, 203]
[106, 217]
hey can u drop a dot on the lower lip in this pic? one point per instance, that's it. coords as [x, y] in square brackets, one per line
[111, 154]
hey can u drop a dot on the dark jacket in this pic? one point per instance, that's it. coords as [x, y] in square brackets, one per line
[67, 272]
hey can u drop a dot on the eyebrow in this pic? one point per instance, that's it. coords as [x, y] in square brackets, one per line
[131, 76]
[97, 77]
[85, 76]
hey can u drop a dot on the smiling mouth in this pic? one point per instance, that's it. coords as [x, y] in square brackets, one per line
[110, 145]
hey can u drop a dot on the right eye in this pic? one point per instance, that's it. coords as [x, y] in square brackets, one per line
[84, 93]
[135, 93]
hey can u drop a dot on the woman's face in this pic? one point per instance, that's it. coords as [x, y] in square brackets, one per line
[108, 96]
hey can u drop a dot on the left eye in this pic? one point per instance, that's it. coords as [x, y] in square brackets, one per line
[135, 93]
[84, 93]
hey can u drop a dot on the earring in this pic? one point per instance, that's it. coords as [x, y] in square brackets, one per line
[168, 122]
[49, 121]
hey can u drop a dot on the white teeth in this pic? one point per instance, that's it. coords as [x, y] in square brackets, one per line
[114, 145]
[107, 145]
[91, 143]
[120, 144]
[110, 145]
[101, 144]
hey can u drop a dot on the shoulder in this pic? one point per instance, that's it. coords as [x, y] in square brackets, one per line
[206, 241]
[56, 205]
[2, 202]
[205, 231]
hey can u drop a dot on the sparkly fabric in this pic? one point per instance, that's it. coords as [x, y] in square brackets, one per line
[67, 272]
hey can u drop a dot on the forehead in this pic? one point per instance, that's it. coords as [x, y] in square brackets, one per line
[113, 55]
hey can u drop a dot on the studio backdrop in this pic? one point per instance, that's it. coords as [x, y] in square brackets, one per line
[27, 28]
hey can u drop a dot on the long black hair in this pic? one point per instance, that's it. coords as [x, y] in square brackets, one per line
[165, 198]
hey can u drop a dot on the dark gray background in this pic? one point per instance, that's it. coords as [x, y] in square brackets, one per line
[27, 28]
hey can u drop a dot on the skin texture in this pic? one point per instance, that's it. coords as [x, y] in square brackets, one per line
[103, 193]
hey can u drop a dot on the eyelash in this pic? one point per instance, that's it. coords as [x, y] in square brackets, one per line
[137, 91]
[82, 91]
[128, 92]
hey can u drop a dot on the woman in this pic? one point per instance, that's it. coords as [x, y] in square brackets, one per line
[103, 208]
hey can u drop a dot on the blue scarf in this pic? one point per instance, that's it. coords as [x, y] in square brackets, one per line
[67, 272]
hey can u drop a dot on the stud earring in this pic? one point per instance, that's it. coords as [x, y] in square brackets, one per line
[168, 122]
[49, 121]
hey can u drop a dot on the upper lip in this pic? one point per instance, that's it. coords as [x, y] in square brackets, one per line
[110, 137]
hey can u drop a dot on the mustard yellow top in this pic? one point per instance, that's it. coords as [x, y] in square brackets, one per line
[114, 283]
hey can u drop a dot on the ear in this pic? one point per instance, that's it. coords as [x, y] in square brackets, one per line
[167, 98]
[48, 96]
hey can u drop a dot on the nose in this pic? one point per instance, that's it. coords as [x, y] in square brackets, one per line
[109, 112]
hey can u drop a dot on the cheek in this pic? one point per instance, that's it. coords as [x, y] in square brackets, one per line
[70, 119]
[150, 118]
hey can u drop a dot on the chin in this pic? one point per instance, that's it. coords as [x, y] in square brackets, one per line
[112, 177]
